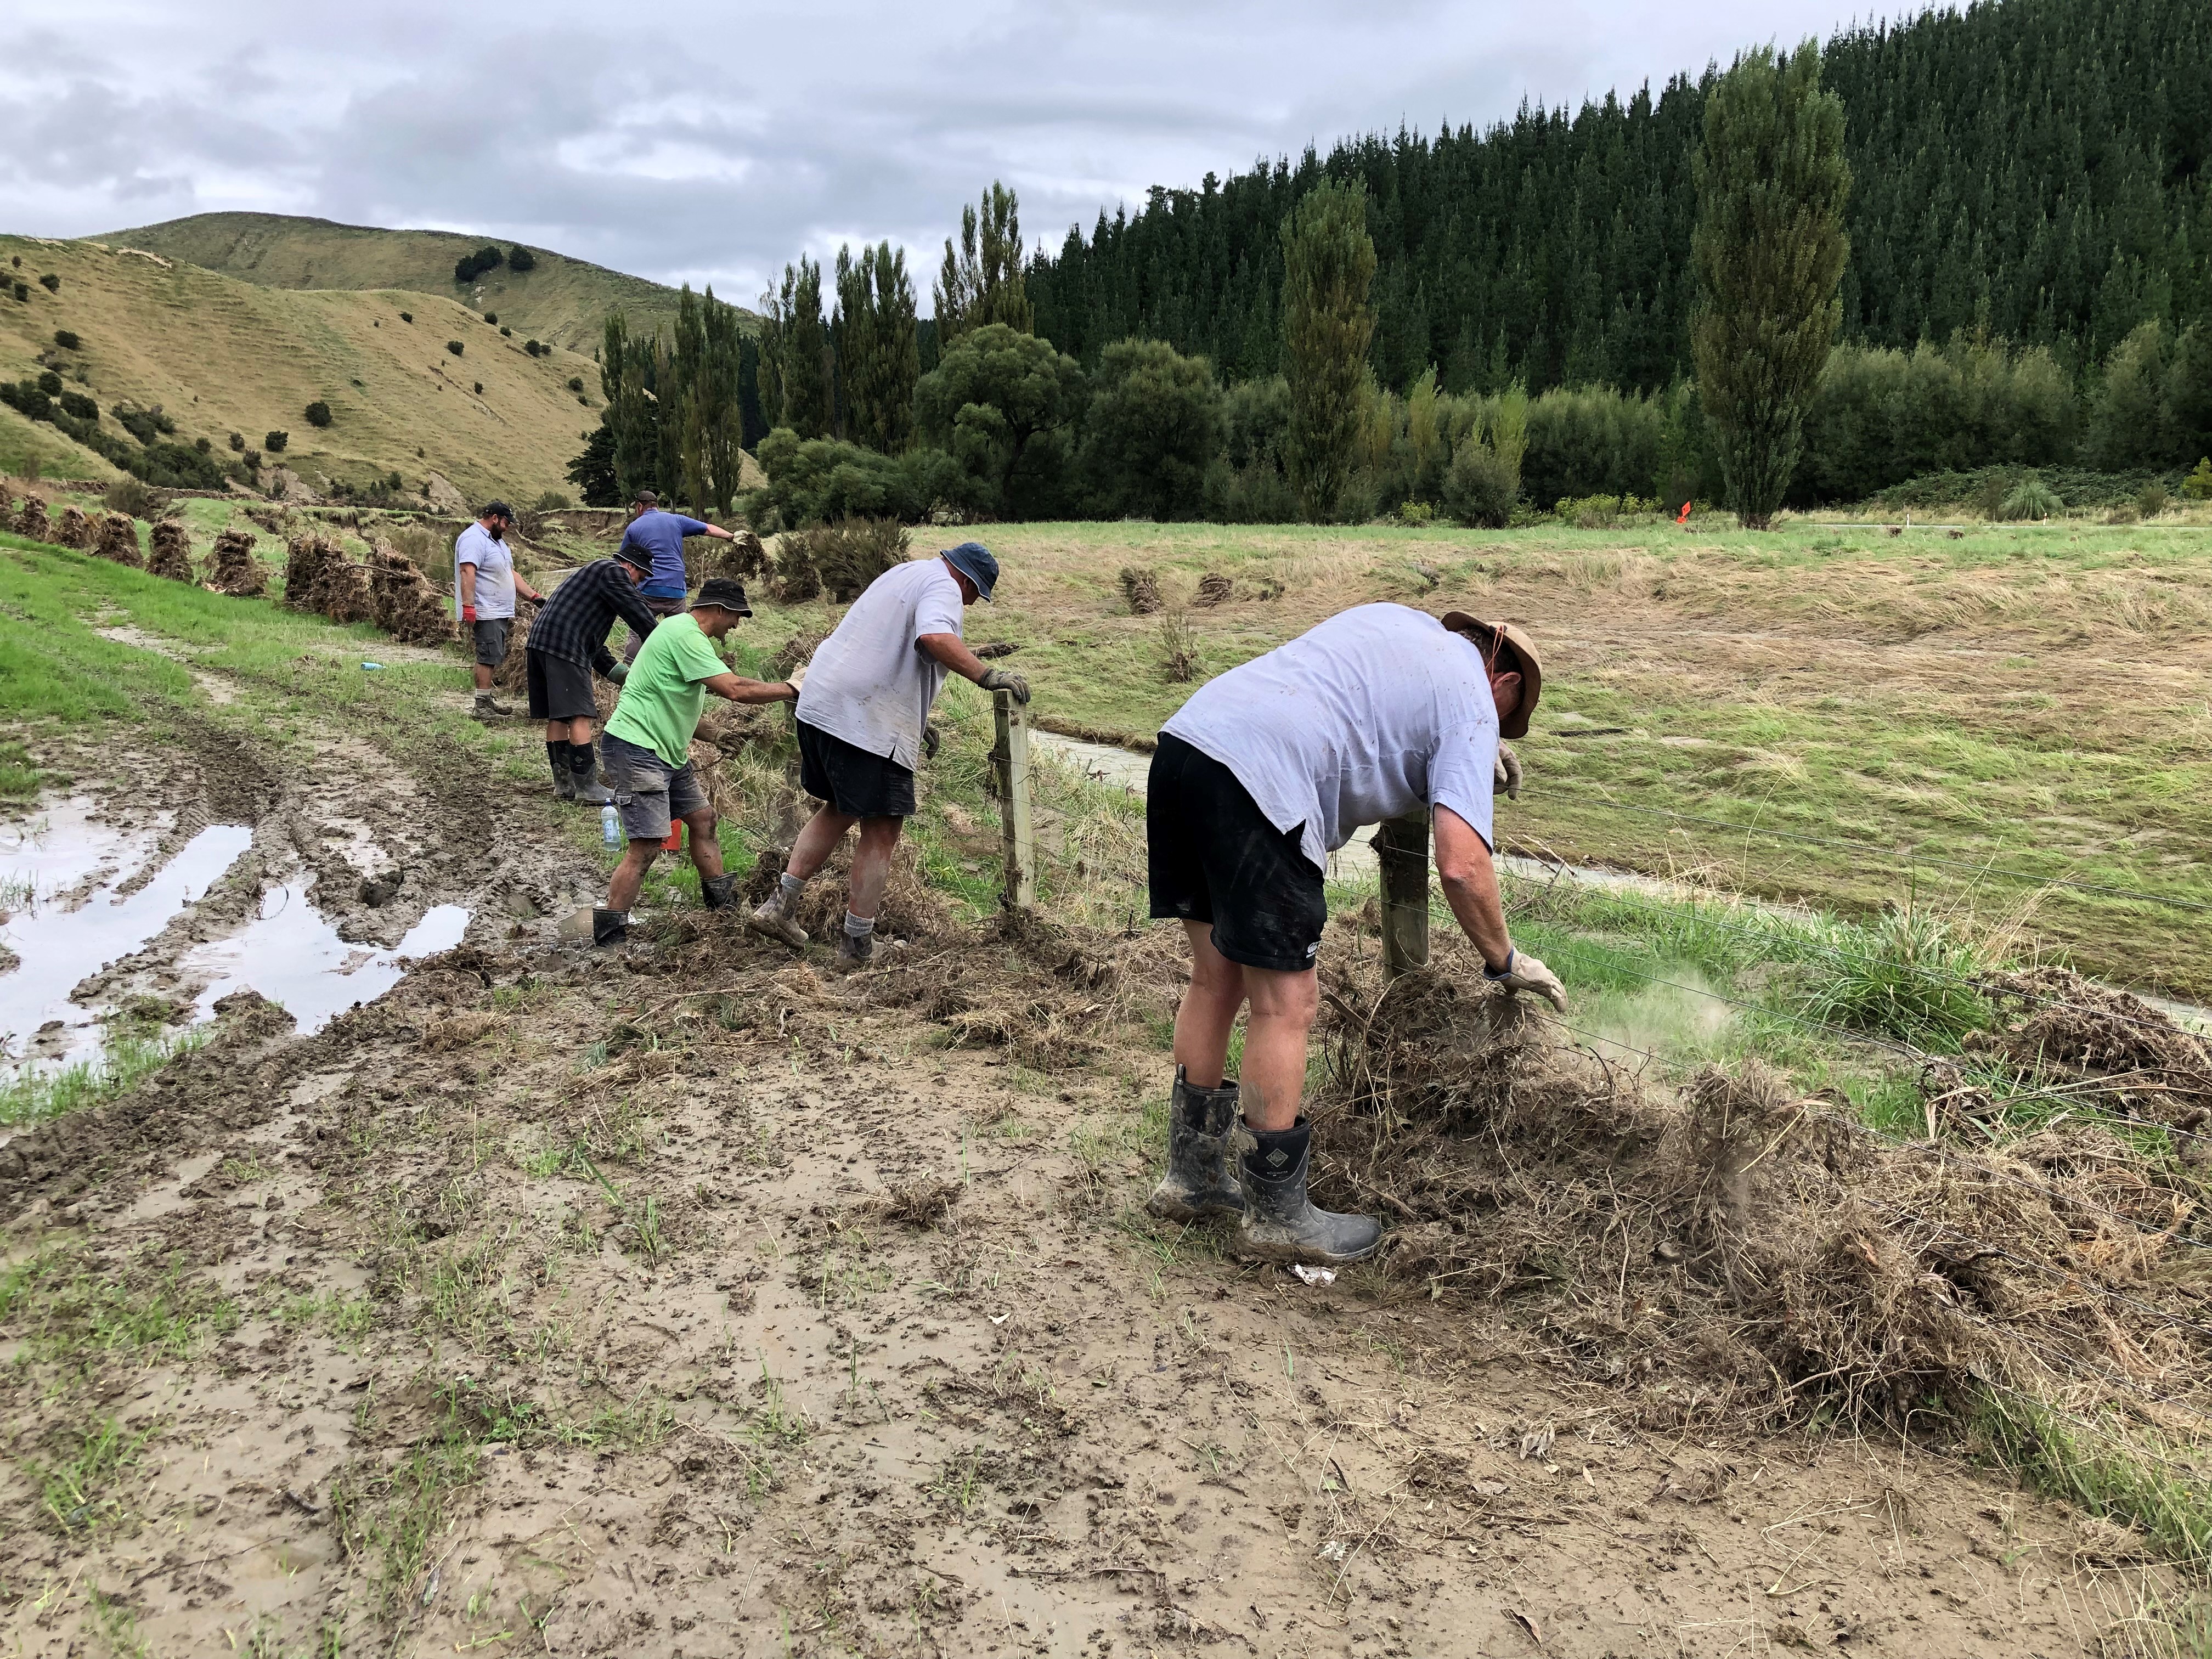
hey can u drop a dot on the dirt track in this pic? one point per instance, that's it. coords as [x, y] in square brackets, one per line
[543, 1305]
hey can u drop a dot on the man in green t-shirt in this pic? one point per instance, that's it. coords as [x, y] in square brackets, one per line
[645, 748]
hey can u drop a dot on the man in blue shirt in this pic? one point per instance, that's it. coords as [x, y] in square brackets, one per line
[660, 536]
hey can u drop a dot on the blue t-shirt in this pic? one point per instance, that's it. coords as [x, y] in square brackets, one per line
[661, 534]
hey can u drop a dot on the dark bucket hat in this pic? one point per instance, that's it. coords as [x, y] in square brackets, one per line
[973, 560]
[724, 591]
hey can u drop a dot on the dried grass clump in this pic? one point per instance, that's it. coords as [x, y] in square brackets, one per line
[921, 1203]
[117, 538]
[911, 909]
[231, 567]
[838, 560]
[1741, 1252]
[2053, 1024]
[1215, 588]
[745, 558]
[1140, 590]
[406, 606]
[7, 506]
[172, 555]
[74, 530]
[319, 577]
[1179, 664]
[32, 523]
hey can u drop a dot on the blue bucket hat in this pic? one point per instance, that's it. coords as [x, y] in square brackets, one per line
[973, 560]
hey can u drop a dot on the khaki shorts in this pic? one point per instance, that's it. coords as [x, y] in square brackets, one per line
[649, 793]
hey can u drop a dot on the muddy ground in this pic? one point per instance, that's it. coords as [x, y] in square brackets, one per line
[692, 1299]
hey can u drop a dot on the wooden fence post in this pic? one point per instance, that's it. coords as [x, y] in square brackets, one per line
[1401, 851]
[1010, 760]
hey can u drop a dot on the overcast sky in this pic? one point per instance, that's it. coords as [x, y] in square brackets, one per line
[711, 143]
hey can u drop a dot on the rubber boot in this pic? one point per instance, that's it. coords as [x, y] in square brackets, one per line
[854, 950]
[590, 792]
[1201, 1177]
[773, 917]
[610, 927]
[717, 892]
[564, 775]
[1280, 1222]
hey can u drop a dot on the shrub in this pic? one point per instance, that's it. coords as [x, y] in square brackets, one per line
[237, 441]
[455, 346]
[2153, 500]
[2031, 498]
[505, 332]
[51, 384]
[2198, 486]
[176, 466]
[52, 283]
[251, 459]
[202, 446]
[479, 388]
[276, 442]
[406, 316]
[67, 339]
[575, 383]
[551, 500]
[471, 266]
[318, 413]
[1479, 486]
[76, 404]
[521, 259]
[492, 317]
[22, 293]
[131, 495]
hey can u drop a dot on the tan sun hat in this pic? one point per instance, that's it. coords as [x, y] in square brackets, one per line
[1517, 640]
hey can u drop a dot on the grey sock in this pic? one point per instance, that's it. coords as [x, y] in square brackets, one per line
[789, 885]
[856, 928]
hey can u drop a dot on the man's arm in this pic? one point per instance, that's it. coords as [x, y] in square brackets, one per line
[1470, 883]
[737, 689]
[1469, 875]
[465, 583]
[627, 604]
[951, 650]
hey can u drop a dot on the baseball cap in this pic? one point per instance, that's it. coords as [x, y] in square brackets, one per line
[973, 560]
[497, 510]
[1507, 640]
[724, 591]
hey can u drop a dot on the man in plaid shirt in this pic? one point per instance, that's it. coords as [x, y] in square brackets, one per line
[568, 640]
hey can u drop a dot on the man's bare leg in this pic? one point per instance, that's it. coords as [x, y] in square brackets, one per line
[872, 866]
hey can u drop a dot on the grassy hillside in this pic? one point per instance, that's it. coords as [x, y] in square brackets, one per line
[221, 355]
[563, 301]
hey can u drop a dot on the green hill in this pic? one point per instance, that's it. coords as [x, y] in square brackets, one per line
[562, 300]
[219, 356]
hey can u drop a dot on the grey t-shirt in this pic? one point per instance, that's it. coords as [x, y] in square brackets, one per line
[1378, 711]
[494, 563]
[869, 683]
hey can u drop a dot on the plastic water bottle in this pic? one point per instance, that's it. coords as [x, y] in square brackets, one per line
[610, 825]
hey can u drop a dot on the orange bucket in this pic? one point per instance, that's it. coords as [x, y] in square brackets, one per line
[675, 842]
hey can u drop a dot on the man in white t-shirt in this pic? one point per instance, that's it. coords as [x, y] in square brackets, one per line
[485, 582]
[1381, 711]
[864, 705]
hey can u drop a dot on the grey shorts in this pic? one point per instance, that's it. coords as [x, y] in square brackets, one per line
[649, 792]
[491, 640]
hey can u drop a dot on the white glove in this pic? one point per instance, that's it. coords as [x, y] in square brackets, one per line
[1525, 973]
[797, 678]
[1507, 777]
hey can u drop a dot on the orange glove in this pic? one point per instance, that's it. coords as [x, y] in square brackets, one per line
[468, 613]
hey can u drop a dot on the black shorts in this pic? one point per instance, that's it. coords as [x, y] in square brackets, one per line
[490, 638]
[1215, 857]
[559, 690]
[853, 781]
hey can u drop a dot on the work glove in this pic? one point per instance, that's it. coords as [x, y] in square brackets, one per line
[1522, 972]
[468, 613]
[929, 741]
[797, 678]
[619, 672]
[997, 679]
[1508, 774]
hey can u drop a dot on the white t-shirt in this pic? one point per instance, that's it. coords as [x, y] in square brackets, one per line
[494, 565]
[869, 682]
[1378, 711]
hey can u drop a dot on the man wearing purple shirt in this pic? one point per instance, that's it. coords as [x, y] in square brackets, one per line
[660, 536]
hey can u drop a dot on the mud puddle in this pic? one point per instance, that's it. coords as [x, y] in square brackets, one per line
[58, 944]
[292, 954]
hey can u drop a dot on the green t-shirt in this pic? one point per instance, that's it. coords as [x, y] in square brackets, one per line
[661, 699]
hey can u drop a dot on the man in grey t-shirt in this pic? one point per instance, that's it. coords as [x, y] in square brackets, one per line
[864, 705]
[485, 582]
[1379, 711]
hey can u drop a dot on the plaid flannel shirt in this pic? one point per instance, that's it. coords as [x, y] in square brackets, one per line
[574, 624]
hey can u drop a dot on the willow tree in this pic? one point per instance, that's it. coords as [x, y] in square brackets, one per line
[1770, 250]
[980, 283]
[1328, 266]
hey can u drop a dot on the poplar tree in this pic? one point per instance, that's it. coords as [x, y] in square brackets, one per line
[982, 282]
[878, 352]
[717, 401]
[1328, 267]
[1769, 250]
[625, 379]
[797, 381]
